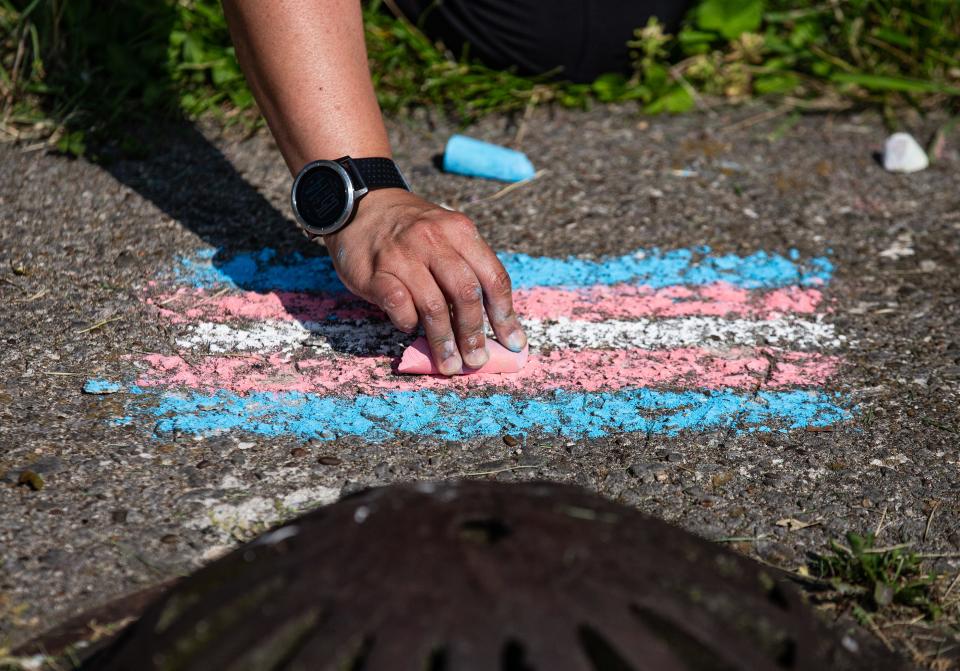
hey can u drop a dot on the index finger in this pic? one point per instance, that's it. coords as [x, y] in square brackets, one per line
[498, 295]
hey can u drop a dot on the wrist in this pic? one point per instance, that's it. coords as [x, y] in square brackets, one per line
[326, 195]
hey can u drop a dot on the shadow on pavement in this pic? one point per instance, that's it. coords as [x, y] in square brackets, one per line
[191, 180]
[193, 183]
[115, 87]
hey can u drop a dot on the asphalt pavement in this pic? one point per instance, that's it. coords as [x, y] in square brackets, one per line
[798, 347]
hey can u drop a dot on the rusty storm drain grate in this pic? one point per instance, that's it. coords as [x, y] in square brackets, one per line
[472, 575]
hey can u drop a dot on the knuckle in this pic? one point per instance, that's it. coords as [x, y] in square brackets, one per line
[502, 284]
[459, 220]
[427, 233]
[441, 342]
[474, 339]
[469, 293]
[433, 310]
[394, 298]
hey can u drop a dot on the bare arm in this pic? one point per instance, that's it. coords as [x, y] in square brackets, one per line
[307, 66]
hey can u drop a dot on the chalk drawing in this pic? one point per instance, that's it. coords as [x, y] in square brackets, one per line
[659, 341]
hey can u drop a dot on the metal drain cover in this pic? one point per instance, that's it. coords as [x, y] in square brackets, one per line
[477, 575]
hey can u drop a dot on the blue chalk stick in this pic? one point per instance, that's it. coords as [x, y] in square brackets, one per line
[476, 158]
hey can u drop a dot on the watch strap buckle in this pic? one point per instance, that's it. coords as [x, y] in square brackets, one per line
[359, 185]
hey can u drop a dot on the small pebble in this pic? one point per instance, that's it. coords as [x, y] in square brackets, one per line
[510, 441]
[31, 479]
[299, 452]
[327, 460]
[901, 153]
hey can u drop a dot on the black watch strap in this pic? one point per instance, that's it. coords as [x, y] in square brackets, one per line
[378, 173]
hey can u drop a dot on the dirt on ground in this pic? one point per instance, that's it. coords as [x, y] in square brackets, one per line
[119, 505]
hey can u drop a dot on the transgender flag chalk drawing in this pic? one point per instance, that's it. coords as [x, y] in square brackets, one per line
[653, 341]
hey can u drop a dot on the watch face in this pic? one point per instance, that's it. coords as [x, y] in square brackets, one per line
[321, 197]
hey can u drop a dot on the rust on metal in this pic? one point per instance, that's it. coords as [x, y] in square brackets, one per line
[472, 575]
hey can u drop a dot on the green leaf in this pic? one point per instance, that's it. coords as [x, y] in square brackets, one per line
[225, 70]
[193, 51]
[675, 100]
[821, 69]
[241, 97]
[73, 143]
[656, 77]
[695, 41]
[730, 18]
[804, 33]
[609, 87]
[891, 83]
[894, 37]
[779, 83]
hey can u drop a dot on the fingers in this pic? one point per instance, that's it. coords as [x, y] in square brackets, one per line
[462, 288]
[498, 294]
[393, 298]
[435, 316]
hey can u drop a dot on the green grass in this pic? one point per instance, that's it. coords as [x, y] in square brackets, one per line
[893, 592]
[70, 72]
[876, 577]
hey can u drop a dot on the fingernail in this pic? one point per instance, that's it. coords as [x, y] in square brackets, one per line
[475, 358]
[516, 340]
[451, 364]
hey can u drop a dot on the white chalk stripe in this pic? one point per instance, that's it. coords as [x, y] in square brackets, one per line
[372, 338]
[684, 332]
[362, 337]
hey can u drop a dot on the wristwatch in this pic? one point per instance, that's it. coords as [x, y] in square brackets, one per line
[325, 194]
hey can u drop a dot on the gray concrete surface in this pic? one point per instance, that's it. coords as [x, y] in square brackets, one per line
[119, 508]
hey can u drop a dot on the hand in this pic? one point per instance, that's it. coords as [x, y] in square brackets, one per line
[416, 260]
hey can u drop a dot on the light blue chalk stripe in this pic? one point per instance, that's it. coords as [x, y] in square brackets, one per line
[452, 417]
[264, 271]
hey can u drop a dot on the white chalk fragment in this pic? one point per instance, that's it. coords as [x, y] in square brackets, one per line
[277, 535]
[901, 153]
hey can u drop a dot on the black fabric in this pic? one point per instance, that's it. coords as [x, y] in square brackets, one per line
[581, 38]
[380, 173]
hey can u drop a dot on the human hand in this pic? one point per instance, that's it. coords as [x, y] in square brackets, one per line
[417, 260]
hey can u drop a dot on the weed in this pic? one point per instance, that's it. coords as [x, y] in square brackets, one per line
[876, 577]
[70, 71]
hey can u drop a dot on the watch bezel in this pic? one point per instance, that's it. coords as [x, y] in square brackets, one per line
[352, 195]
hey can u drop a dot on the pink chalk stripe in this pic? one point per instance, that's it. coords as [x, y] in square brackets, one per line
[590, 304]
[599, 303]
[189, 305]
[586, 370]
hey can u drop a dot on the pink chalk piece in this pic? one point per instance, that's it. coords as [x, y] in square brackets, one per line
[416, 360]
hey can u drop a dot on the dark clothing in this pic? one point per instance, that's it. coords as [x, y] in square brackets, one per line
[584, 38]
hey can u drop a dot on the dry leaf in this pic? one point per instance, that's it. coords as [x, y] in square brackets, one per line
[796, 525]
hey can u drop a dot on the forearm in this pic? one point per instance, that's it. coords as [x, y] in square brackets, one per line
[306, 63]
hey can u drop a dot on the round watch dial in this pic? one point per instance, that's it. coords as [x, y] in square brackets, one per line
[322, 196]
